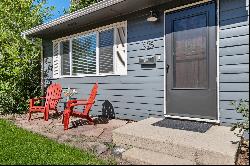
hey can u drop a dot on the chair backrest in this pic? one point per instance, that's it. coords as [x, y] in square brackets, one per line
[91, 99]
[54, 91]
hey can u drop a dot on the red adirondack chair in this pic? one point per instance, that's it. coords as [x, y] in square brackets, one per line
[87, 107]
[53, 96]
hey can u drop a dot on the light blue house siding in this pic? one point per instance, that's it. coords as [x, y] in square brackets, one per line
[140, 94]
[234, 56]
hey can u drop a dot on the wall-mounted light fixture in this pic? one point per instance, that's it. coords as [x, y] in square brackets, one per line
[153, 16]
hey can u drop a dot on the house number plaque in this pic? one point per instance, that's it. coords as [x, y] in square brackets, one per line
[148, 45]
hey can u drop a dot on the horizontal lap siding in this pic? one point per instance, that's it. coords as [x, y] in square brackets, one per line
[234, 57]
[138, 95]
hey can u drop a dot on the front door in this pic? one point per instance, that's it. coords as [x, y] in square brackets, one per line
[191, 62]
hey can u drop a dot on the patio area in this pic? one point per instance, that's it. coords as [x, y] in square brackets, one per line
[143, 142]
[95, 138]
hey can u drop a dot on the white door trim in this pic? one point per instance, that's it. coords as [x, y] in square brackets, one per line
[217, 51]
[218, 58]
[186, 6]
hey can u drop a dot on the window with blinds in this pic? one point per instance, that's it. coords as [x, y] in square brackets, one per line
[56, 60]
[120, 51]
[106, 43]
[100, 52]
[84, 55]
[65, 57]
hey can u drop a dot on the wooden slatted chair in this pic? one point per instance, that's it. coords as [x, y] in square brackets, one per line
[87, 107]
[53, 96]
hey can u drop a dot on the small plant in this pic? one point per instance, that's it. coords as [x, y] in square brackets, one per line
[69, 93]
[110, 145]
[242, 107]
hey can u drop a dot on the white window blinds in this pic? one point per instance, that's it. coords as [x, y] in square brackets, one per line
[106, 43]
[84, 55]
[65, 57]
[56, 60]
[121, 51]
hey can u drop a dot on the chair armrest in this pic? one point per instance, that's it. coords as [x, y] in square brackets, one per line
[81, 100]
[69, 103]
[91, 102]
[73, 103]
[56, 98]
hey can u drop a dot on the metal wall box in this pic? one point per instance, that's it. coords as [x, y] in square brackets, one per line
[148, 60]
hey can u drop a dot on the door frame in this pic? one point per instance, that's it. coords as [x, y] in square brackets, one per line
[217, 53]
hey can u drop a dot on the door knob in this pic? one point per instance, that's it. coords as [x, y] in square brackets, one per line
[168, 67]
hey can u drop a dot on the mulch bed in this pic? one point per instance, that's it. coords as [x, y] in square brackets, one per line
[243, 156]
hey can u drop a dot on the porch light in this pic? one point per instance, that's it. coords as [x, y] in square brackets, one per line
[152, 17]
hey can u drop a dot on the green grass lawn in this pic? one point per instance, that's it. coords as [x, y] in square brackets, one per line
[18, 146]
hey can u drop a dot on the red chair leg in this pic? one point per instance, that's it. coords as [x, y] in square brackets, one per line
[29, 115]
[46, 114]
[66, 116]
[90, 120]
[63, 119]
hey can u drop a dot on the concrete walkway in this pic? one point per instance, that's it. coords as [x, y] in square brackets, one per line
[216, 146]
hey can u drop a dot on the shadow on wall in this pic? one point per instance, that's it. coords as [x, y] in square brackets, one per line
[108, 110]
[233, 12]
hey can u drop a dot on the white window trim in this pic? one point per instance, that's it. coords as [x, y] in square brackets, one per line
[100, 29]
[96, 31]
[114, 50]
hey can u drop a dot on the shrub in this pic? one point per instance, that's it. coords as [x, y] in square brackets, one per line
[242, 107]
[80, 4]
[19, 58]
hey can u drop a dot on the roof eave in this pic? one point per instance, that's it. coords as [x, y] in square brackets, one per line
[92, 8]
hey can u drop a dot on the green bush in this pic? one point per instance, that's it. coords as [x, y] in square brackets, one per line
[81, 4]
[19, 58]
[242, 107]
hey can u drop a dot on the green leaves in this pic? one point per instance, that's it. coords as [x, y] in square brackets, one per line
[81, 4]
[19, 58]
[242, 107]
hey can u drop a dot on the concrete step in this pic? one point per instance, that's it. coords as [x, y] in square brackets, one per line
[217, 146]
[146, 157]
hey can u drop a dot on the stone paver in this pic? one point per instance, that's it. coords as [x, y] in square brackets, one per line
[95, 132]
[106, 136]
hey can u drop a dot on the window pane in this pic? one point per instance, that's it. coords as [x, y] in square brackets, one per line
[121, 52]
[190, 55]
[106, 42]
[65, 60]
[84, 54]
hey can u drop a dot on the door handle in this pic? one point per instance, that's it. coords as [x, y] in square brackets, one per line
[168, 67]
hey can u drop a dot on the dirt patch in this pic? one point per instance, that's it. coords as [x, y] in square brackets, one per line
[243, 156]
